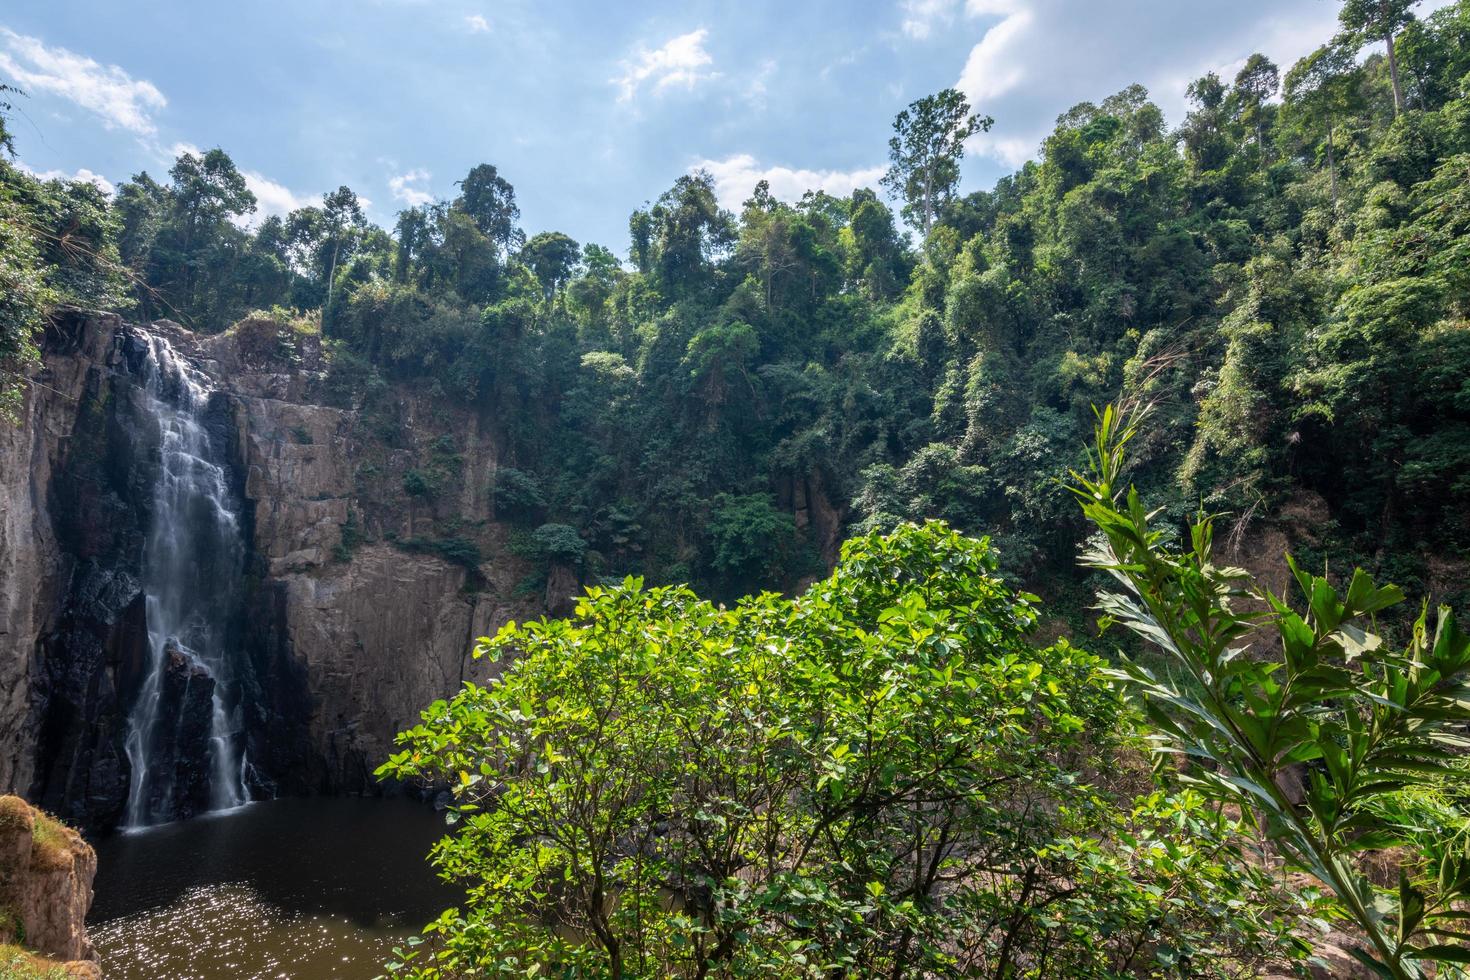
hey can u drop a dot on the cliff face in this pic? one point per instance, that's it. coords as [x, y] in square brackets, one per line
[46, 873]
[358, 633]
[361, 602]
[28, 552]
[70, 538]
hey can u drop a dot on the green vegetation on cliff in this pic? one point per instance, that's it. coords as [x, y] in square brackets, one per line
[886, 776]
[1284, 278]
[17, 964]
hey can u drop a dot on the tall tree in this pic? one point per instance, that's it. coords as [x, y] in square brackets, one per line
[141, 206]
[690, 231]
[1322, 85]
[1367, 20]
[1203, 130]
[208, 190]
[875, 253]
[640, 232]
[927, 146]
[412, 234]
[343, 214]
[553, 257]
[490, 200]
[1256, 82]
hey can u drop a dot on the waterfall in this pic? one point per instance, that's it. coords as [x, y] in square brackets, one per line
[184, 738]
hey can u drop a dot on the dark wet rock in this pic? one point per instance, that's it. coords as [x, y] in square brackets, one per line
[181, 757]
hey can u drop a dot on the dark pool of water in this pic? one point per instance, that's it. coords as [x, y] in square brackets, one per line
[301, 889]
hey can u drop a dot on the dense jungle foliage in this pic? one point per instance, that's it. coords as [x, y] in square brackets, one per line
[888, 776]
[1270, 274]
[879, 777]
[892, 771]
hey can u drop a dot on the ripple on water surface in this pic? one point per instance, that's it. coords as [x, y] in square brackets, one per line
[300, 889]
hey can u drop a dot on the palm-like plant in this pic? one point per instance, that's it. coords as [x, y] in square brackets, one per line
[1365, 722]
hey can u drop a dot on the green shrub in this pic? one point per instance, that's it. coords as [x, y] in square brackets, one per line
[420, 483]
[880, 777]
[517, 495]
[553, 543]
[351, 537]
[455, 550]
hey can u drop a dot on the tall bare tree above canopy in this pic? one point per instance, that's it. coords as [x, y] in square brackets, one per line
[927, 146]
[342, 213]
[1366, 20]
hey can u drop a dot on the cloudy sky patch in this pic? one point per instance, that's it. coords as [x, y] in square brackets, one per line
[589, 109]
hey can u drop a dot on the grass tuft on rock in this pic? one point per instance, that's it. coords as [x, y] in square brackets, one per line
[50, 843]
[19, 964]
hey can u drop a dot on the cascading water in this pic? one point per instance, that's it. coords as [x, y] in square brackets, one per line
[185, 741]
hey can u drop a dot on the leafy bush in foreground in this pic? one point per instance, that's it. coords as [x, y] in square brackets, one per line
[879, 777]
[1371, 724]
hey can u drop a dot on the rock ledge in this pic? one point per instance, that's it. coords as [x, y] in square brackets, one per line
[46, 873]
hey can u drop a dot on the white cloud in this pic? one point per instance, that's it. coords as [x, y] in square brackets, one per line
[736, 176]
[83, 175]
[1036, 58]
[851, 58]
[922, 17]
[682, 61]
[271, 198]
[1013, 151]
[404, 190]
[992, 69]
[121, 101]
[477, 24]
[759, 84]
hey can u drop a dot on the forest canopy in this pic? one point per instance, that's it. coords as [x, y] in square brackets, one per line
[1267, 273]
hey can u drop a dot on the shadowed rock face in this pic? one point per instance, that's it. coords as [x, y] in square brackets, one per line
[36, 568]
[90, 465]
[341, 643]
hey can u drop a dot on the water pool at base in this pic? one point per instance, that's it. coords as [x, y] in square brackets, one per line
[301, 889]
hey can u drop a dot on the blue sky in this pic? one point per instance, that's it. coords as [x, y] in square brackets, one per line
[588, 108]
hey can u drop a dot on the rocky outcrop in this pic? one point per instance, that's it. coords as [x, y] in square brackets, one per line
[361, 603]
[377, 638]
[815, 514]
[46, 872]
[361, 625]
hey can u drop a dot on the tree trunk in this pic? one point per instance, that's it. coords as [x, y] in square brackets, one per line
[1393, 73]
[331, 281]
[1331, 164]
[928, 198]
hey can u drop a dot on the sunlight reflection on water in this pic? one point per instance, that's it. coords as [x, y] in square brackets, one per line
[300, 889]
[217, 931]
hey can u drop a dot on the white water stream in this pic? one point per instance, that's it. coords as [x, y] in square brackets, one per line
[193, 562]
